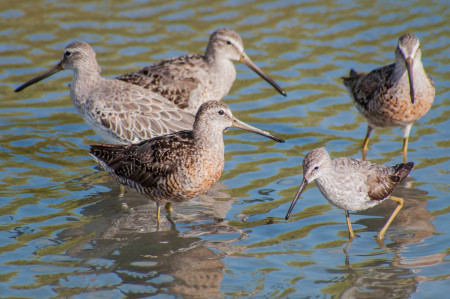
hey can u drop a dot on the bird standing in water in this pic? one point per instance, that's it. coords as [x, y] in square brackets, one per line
[352, 184]
[178, 166]
[394, 95]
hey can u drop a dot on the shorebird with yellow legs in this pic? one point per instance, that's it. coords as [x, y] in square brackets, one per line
[394, 95]
[178, 166]
[352, 184]
[190, 80]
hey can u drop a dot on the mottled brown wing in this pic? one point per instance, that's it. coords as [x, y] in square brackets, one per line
[162, 157]
[144, 163]
[108, 154]
[383, 183]
[173, 78]
[364, 87]
[117, 160]
[135, 114]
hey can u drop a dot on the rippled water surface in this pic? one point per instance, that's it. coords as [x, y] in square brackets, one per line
[64, 230]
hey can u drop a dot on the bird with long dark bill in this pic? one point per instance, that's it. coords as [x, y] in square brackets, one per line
[396, 95]
[352, 184]
[178, 166]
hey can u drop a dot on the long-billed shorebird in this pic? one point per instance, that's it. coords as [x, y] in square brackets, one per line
[394, 95]
[190, 80]
[178, 166]
[118, 111]
[352, 184]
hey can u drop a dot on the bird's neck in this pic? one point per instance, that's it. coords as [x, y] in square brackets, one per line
[400, 73]
[208, 137]
[84, 81]
[222, 71]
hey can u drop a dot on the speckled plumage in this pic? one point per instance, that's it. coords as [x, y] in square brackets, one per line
[177, 166]
[351, 184]
[394, 95]
[119, 112]
[190, 80]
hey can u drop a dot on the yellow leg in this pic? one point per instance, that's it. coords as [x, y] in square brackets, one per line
[169, 213]
[351, 235]
[365, 145]
[158, 213]
[405, 148]
[158, 216]
[397, 209]
[169, 206]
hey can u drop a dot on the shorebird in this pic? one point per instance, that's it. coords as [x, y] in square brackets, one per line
[178, 166]
[190, 80]
[119, 112]
[394, 95]
[352, 184]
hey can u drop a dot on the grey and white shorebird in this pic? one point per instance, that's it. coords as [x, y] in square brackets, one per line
[118, 111]
[352, 184]
[190, 80]
[395, 95]
[178, 166]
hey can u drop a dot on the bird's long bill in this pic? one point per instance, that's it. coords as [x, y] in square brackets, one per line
[409, 68]
[248, 62]
[48, 73]
[239, 124]
[297, 195]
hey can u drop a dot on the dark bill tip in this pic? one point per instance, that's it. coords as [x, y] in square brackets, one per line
[240, 124]
[297, 195]
[248, 62]
[41, 77]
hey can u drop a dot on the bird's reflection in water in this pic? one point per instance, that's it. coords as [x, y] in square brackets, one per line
[391, 277]
[173, 260]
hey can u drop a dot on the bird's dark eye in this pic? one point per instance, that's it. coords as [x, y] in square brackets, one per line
[317, 167]
[221, 112]
[228, 42]
[67, 53]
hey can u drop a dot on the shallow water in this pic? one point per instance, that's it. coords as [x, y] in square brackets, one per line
[64, 230]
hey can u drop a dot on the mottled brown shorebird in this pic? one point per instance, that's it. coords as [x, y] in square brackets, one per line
[179, 166]
[352, 184]
[118, 111]
[190, 80]
[394, 95]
